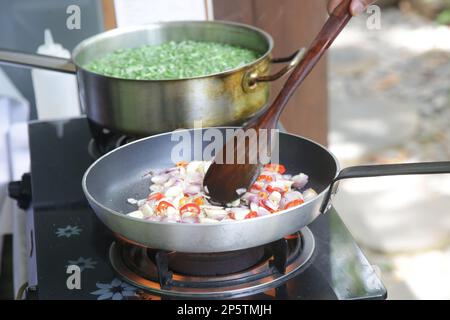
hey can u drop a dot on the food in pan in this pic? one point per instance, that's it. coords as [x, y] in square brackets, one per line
[177, 195]
[172, 60]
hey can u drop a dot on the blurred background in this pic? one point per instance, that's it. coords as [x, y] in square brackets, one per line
[390, 102]
[382, 95]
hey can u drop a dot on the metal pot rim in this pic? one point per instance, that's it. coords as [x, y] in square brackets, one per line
[114, 32]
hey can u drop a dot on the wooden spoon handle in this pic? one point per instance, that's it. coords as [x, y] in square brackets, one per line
[333, 26]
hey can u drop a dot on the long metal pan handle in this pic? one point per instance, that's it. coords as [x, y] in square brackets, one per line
[384, 170]
[36, 61]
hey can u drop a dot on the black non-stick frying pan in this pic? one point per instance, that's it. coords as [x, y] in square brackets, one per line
[121, 174]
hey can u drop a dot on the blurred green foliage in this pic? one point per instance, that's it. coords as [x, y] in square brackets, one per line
[444, 17]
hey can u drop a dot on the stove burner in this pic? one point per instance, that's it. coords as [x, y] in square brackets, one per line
[221, 275]
[214, 264]
[104, 140]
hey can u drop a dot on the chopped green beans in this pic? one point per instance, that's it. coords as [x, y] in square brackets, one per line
[172, 60]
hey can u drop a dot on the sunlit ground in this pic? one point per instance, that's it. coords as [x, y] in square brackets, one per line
[389, 102]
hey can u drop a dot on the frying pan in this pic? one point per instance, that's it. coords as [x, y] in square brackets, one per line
[121, 174]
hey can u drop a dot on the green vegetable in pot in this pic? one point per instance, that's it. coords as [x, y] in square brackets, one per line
[172, 60]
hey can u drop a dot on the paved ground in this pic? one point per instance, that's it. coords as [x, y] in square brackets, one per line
[390, 102]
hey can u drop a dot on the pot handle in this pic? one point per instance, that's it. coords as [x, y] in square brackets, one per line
[36, 61]
[383, 170]
[252, 78]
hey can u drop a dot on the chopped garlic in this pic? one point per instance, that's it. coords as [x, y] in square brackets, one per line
[240, 213]
[173, 192]
[132, 201]
[275, 197]
[215, 213]
[146, 210]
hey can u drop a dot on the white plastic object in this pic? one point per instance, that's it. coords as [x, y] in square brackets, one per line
[56, 93]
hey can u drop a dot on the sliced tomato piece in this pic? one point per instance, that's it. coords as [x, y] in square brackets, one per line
[199, 201]
[293, 203]
[251, 215]
[265, 177]
[256, 186]
[183, 201]
[155, 196]
[190, 207]
[182, 164]
[275, 168]
[163, 205]
[263, 195]
[272, 189]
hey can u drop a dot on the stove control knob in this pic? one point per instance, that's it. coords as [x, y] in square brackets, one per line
[21, 191]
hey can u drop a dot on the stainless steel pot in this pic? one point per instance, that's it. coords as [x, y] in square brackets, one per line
[145, 107]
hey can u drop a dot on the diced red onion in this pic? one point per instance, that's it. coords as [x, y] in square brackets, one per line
[192, 189]
[160, 179]
[262, 212]
[270, 204]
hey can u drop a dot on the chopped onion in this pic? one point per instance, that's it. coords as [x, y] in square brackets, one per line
[217, 214]
[263, 212]
[309, 194]
[190, 220]
[208, 220]
[154, 218]
[173, 191]
[270, 204]
[169, 219]
[300, 181]
[275, 197]
[136, 214]
[160, 179]
[240, 213]
[183, 185]
[289, 197]
[156, 188]
[192, 189]
[146, 210]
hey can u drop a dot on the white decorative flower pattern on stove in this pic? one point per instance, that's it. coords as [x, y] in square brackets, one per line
[116, 290]
[68, 231]
[83, 263]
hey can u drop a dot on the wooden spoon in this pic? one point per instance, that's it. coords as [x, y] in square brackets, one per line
[223, 178]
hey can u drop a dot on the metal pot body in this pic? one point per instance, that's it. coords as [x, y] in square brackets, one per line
[143, 107]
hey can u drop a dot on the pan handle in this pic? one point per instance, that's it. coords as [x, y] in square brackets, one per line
[36, 61]
[384, 170]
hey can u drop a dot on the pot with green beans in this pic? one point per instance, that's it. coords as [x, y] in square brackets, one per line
[159, 77]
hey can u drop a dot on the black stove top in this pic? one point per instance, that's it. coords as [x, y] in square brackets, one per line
[65, 231]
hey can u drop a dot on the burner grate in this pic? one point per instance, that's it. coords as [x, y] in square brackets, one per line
[151, 270]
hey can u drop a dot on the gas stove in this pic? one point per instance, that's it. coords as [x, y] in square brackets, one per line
[321, 261]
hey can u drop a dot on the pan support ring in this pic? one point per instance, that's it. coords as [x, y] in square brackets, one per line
[252, 281]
